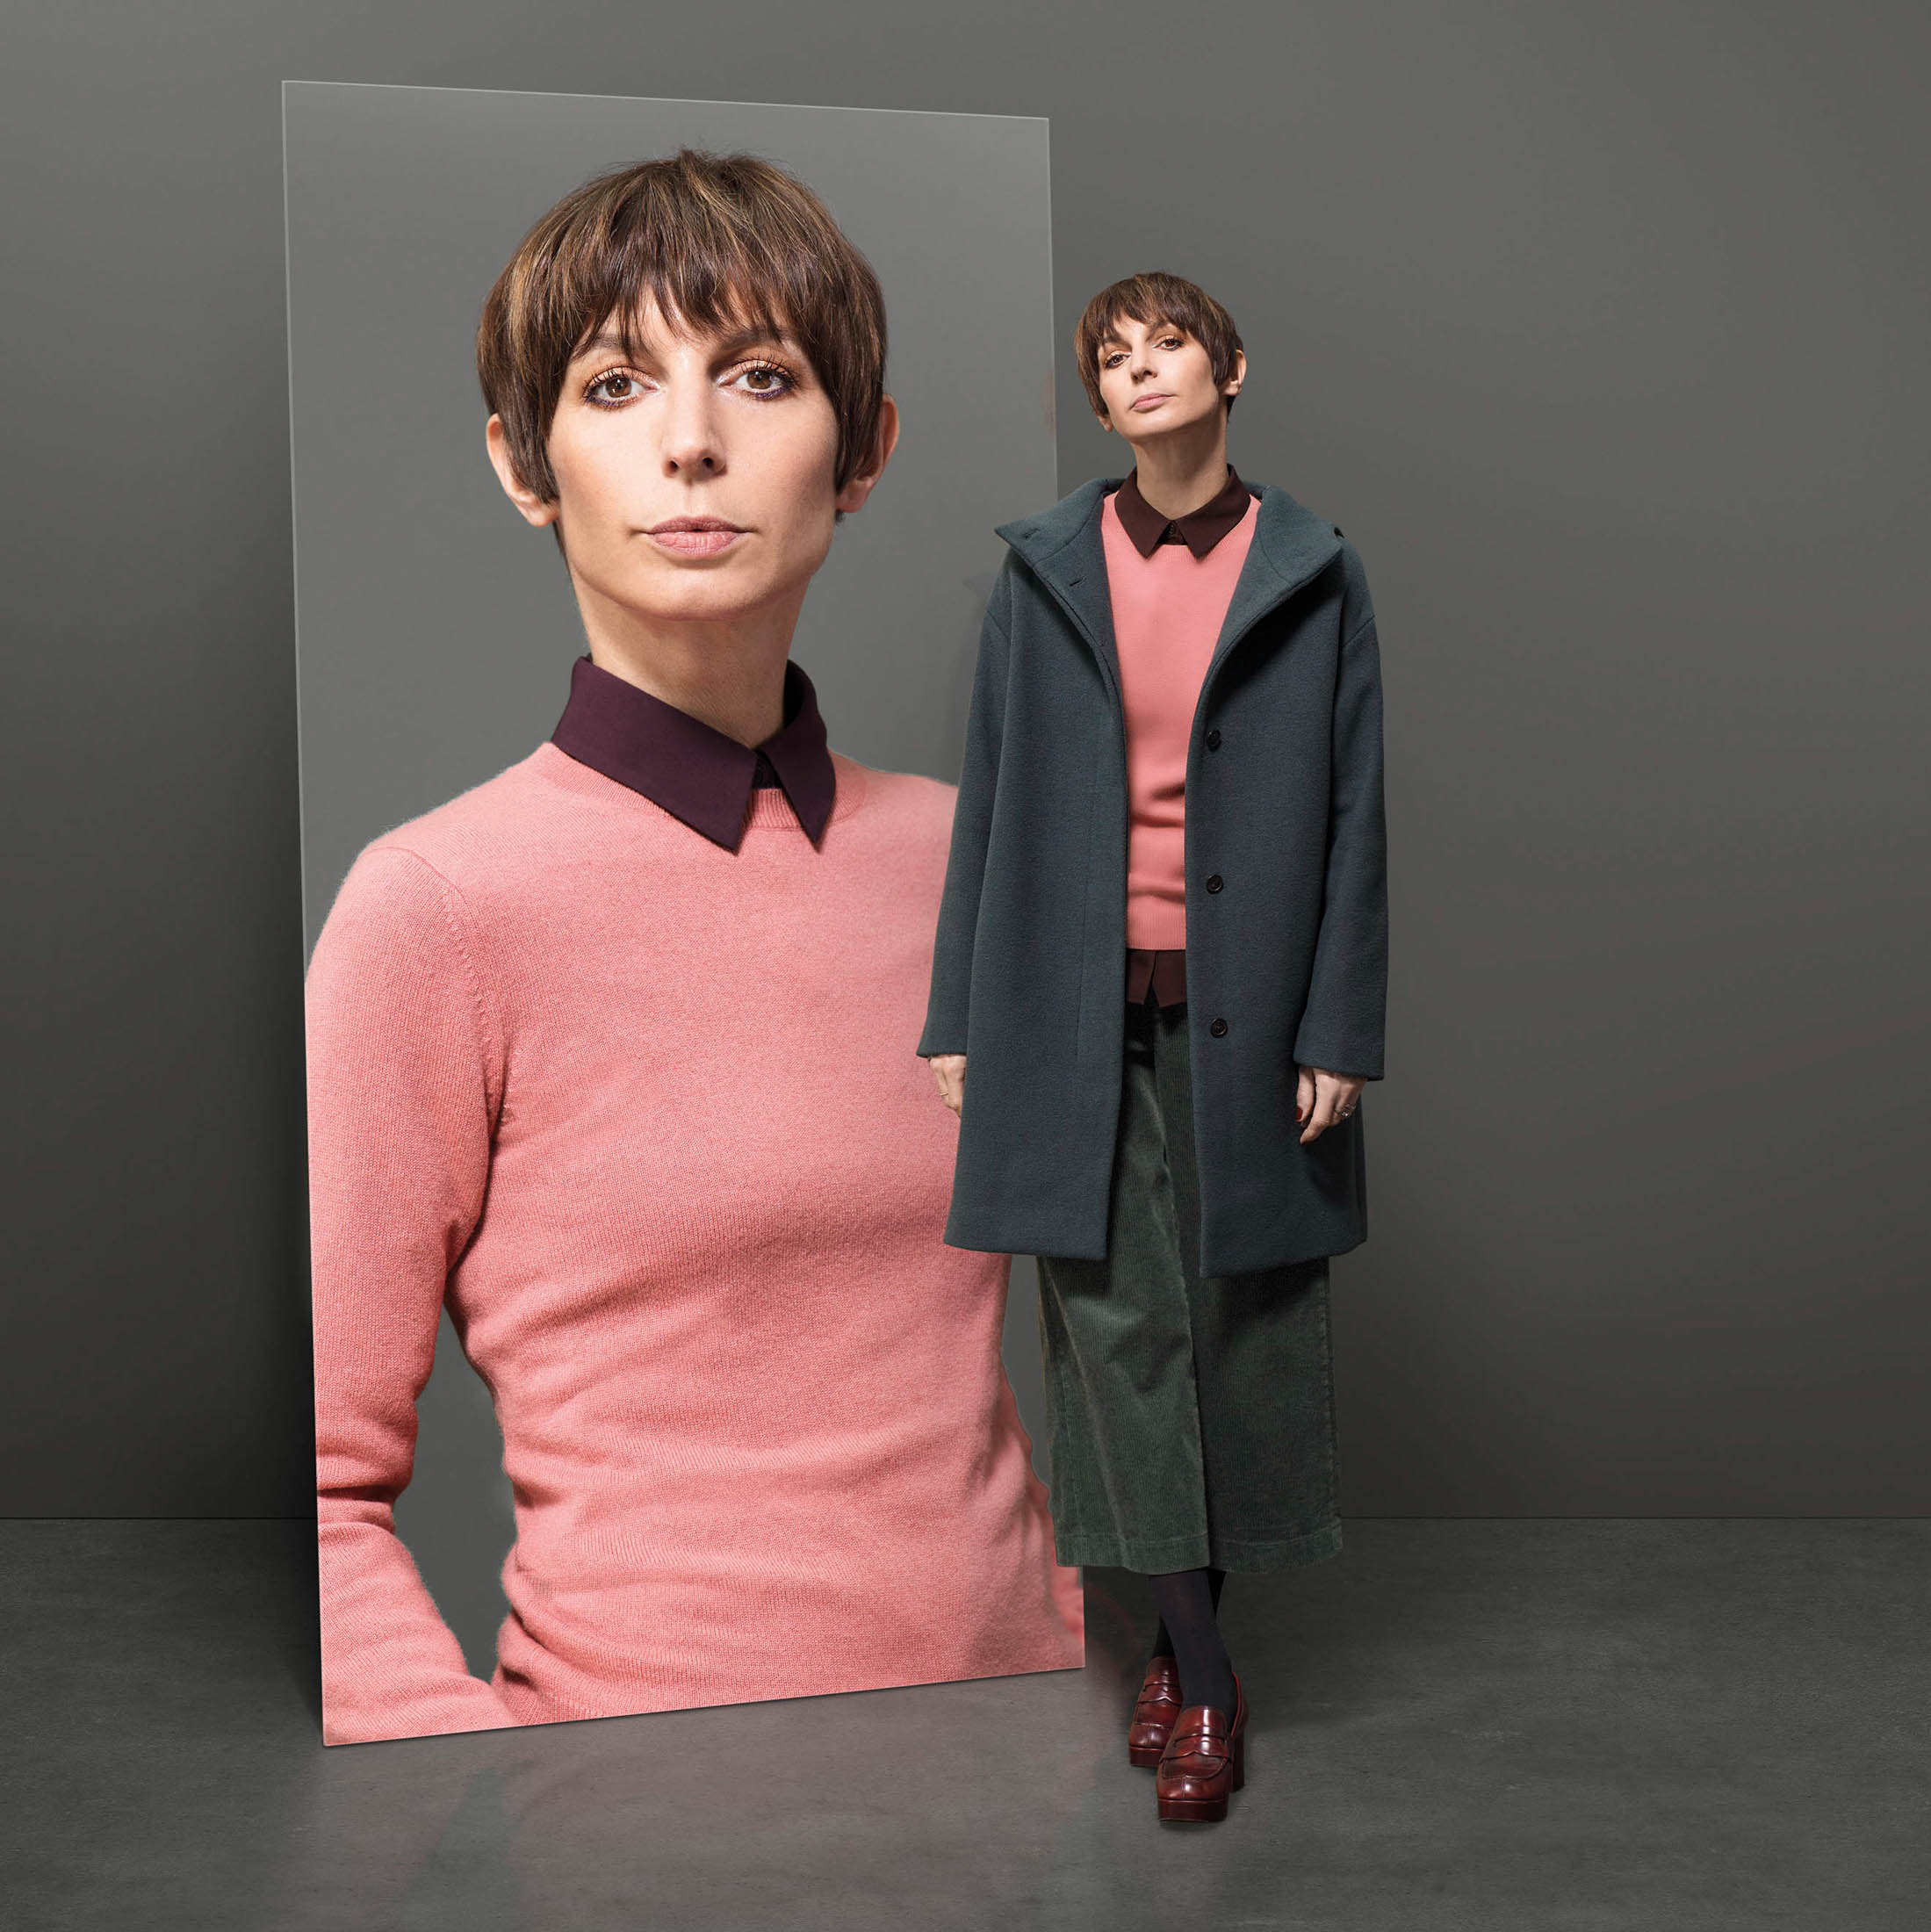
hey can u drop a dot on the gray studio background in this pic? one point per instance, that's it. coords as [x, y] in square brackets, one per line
[435, 630]
[1599, 330]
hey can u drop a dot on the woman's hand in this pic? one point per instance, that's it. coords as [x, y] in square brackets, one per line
[948, 1070]
[1321, 1099]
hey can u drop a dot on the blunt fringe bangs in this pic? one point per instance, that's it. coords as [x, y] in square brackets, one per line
[718, 242]
[1155, 297]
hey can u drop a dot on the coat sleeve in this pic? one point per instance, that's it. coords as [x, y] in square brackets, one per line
[947, 1010]
[1343, 1025]
[403, 1080]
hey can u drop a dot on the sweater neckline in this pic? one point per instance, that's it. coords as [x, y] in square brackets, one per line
[770, 810]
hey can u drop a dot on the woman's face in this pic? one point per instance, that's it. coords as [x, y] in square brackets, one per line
[694, 474]
[1155, 379]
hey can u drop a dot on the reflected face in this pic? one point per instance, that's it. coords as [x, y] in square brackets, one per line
[1155, 378]
[694, 471]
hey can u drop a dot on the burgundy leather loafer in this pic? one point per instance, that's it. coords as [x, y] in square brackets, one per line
[1153, 1713]
[1206, 1758]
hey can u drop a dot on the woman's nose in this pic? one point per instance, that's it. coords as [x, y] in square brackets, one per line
[692, 445]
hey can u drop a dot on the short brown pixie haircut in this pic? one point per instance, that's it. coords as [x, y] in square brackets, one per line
[718, 241]
[1155, 297]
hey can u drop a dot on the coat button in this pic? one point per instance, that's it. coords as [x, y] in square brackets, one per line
[1214, 881]
[1217, 1029]
[1213, 739]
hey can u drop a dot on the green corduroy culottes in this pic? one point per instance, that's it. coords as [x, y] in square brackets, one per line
[1190, 1420]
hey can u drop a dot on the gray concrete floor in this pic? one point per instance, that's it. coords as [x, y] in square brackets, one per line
[1481, 1725]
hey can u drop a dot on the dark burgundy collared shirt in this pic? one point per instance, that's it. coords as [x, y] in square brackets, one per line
[1162, 972]
[1199, 530]
[697, 774]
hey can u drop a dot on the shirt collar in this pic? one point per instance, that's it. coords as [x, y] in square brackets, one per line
[696, 773]
[1199, 530]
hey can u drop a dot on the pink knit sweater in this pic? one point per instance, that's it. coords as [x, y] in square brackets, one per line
[1167, 613]
[646, 1113]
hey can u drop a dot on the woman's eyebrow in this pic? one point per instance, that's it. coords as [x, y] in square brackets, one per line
[610, 341]
[1162, 326]
[751, 336]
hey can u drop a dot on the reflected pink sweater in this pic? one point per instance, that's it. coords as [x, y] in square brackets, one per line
[645, 1112]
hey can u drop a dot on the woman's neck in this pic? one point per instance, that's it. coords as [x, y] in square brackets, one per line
[1181, 473]
[726, 673]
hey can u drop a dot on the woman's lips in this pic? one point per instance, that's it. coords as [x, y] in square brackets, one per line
[695, 537]
[1151, 402]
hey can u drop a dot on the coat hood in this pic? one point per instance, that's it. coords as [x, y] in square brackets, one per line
[1063, 546]
[1288, 537]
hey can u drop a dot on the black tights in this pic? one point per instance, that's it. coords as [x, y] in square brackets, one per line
[1189, 1633]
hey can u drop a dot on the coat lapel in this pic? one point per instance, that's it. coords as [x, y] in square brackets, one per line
[1063, 548]
[1291, 545]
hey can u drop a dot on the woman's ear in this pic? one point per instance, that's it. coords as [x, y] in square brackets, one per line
[535, 510]
[852, 497]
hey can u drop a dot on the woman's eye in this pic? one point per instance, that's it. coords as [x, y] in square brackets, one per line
[617, 386]
[765, 379]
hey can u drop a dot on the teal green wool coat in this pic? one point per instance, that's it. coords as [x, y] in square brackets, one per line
[1287, 956]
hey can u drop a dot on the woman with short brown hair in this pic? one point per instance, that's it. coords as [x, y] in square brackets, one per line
[1162, 952]
[608, 1056]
